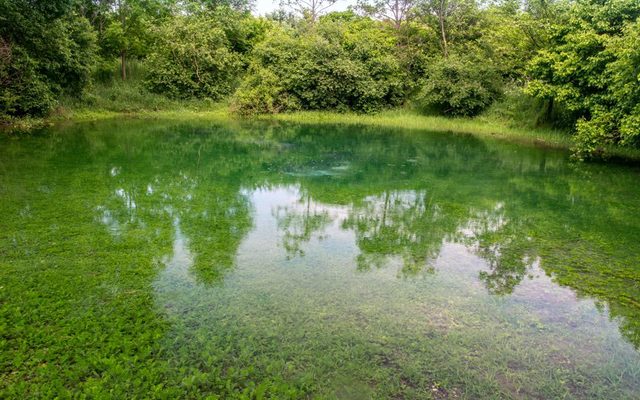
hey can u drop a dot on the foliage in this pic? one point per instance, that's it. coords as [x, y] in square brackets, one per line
[208, 5]
[130, 36]
[126, 97]
[191, 58]
[310, 10]
[576, 59]
[510, 39]
[45, 51]
[337, 66]
[620, 122]
[460, 86]
[397, 12]
[262, 92]
[519, 110]
[591, 70]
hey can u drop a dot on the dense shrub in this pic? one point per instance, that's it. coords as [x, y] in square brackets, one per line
[192, 58]
[45, 51]
[615, 120]
[23, 92]
[459, 86]
[333, 66]
[262, 92]
[591, 69]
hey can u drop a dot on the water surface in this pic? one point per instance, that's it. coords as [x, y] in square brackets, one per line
[156, 259]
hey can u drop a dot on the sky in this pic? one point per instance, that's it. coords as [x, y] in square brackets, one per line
[261, 7]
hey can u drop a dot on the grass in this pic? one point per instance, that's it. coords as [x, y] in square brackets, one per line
[514, 119]
[506, 120]
[118, 98]
[409, 119]
[399, 118]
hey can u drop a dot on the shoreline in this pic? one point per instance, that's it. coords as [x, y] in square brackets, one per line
[479, 126]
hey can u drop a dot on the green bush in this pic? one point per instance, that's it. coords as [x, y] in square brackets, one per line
[459, 86]
[333, 66]
[192, 58]
[591, 69]
[106, 70]
[45, 51]
[614, 118]
[262, 93]
[25, 91]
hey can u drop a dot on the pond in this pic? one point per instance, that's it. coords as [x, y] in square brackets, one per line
[267, 260]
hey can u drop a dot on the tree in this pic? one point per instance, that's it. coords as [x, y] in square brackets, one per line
[590, 70]
[454, 19]
[336, 66]
[441, 9]
[127, 33]
[46, 50]
[511, 36]
[396, 11]
[192, 58]
[460, 86]
[198, 6]
[96, 12]
[310, 9]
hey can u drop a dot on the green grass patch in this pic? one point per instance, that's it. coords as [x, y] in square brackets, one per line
[514, 118]
[409, 119]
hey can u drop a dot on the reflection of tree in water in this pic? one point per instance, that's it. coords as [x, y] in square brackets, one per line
[502, 244]
[551, 214]
[403, 224]
[299, 223]
[216, 223]
[200, 190]
[214, 220]
[413, 226]
[407, 224]
[505, 272]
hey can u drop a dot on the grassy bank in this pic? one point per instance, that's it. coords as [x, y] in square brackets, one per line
[482, 126]
[401, 118]
[405, 119]
[130, 100]
[409, 119]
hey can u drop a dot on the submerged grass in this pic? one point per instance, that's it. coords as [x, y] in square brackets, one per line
[150, 260]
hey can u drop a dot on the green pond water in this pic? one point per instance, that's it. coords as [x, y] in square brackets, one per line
[149, 259]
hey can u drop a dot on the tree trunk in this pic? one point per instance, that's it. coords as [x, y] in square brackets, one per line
[442, 30]
[123, 65]
[123, 53]
[549, 113]
[396, 14]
